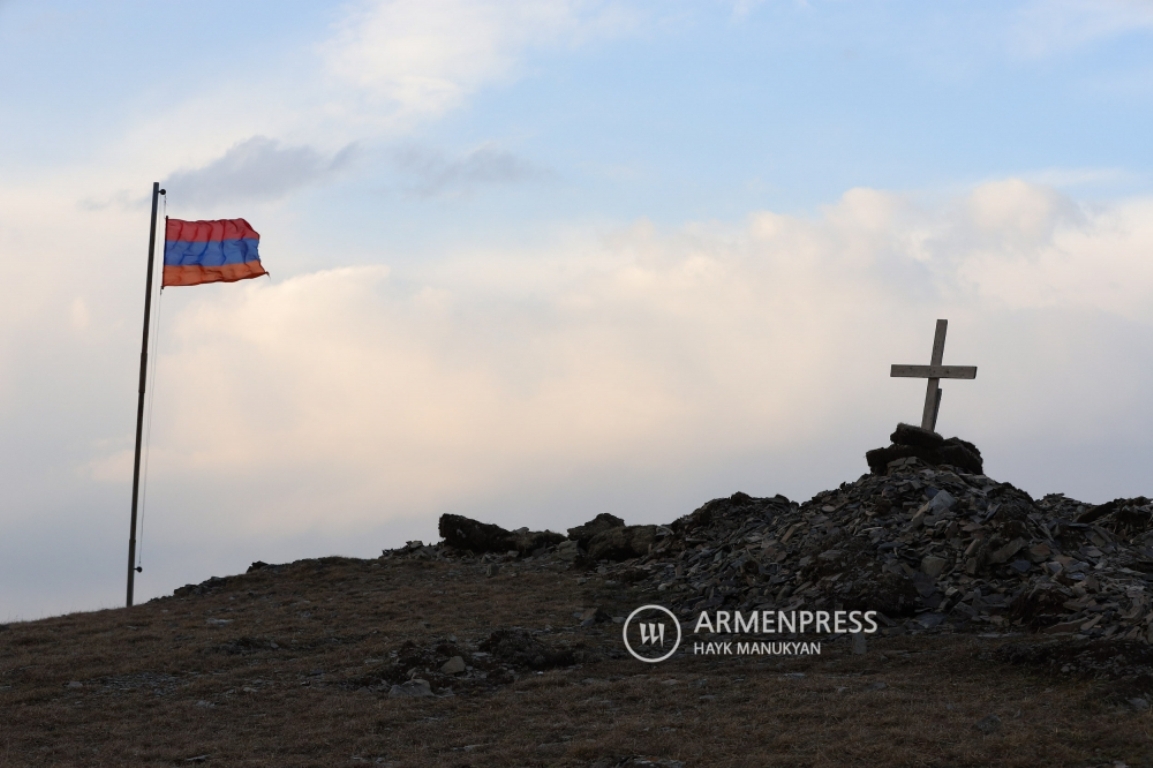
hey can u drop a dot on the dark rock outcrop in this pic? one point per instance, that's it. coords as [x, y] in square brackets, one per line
[622, 542]
[582, 534]
[926, 446]
[474, 536]
[527, 542]
[471, 535]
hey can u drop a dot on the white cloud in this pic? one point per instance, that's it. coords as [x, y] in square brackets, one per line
[1014, 211]
[370, 395]
[424, 57]
[1046, 27]
[523, 385]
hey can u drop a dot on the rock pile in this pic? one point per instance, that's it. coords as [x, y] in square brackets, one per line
[927, 446]
[930, 547]
[926, 540]
[605, 537]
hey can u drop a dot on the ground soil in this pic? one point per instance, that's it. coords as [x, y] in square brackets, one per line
[291, 666]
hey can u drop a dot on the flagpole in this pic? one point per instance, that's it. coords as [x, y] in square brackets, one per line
[156, 193]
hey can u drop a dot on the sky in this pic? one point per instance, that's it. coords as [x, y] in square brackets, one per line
[534, 260]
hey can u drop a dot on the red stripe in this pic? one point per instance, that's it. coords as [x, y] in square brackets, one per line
[196, 274]
[206, 231]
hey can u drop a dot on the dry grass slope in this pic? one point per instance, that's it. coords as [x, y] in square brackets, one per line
[293, 665]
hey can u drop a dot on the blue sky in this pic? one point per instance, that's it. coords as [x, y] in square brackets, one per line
[537, 259]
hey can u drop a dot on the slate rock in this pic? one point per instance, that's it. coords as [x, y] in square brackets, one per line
[622, 543]
[933, 566]
[453, 666]
[582, 534]
[930, 620]
[568, 550]
[474, 536]
[942, 501]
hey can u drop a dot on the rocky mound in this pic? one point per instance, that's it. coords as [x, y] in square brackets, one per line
[934, 546]
[927, 446]
[925, 540]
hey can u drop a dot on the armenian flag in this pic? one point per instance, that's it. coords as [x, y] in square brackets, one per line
[221, 251]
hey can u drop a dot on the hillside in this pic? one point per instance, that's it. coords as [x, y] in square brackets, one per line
[1013, 632]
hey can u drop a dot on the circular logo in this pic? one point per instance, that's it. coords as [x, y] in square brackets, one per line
[653, 634]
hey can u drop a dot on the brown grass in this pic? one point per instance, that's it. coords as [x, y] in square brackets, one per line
[160, 685]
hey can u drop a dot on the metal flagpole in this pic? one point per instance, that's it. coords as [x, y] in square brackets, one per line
[156, 193]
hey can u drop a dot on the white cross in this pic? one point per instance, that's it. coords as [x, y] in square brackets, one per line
[934, 372]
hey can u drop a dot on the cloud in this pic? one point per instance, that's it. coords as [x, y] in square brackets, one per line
[433, 174]
[425, 57]
[258, 168]
[372, 394]
[639, 371]
[1080, 177]
[1047, 27]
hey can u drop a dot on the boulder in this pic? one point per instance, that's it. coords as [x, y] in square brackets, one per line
[622, 542]
[568, 550]
[582, 534]
[907, 434]
[928, 447]
[465, 533]
[468, 534]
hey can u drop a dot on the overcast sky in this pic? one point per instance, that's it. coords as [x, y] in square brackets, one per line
[533, 260]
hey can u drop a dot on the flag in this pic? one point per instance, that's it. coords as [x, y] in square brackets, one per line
[222, 251]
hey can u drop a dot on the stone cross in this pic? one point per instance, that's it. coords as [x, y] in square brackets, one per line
[934, 372]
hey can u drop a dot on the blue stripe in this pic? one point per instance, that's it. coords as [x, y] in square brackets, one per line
[213, 253]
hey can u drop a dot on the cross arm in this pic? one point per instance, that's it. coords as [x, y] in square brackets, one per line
[935, 371]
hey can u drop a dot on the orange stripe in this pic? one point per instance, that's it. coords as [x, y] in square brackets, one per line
[226, 273]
